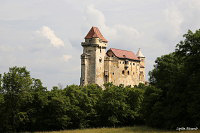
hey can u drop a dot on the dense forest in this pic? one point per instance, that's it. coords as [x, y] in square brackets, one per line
[172, 99]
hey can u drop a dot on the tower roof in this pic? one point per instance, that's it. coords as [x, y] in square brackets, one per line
[124, 54]
[139, 53]
[95, 33]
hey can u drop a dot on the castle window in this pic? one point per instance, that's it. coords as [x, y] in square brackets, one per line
[128, 72]
[123, 72]
[113, 73]
[133, 63]
[100, 60]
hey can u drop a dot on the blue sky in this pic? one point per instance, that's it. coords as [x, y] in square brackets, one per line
[45, 35]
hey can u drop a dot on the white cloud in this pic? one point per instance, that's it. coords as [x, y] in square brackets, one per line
[50, 35]
[174, 18]
[193, 3]
[66, 57]
[95, 17]
[155, 26]
[4, 48]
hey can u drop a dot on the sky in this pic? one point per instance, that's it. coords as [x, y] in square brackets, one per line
[46, 35]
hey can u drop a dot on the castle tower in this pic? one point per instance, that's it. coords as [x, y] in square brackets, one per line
[92, 59]
[141, 57]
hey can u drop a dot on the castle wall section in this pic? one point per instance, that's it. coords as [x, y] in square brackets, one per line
[122, 71]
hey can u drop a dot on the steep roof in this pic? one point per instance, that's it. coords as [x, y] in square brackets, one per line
[139, 53]
[124, 54]
[95, 33]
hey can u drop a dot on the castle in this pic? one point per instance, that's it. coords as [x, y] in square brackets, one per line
[115, 65]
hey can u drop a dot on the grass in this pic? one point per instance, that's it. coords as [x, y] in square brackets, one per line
[135, 129]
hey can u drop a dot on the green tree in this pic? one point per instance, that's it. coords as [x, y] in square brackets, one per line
[15, 88]
[189, 50]
[152, 107]
[82, 107]
[177, 75]
[37, 107]
[134, 99]
[116, 106]
[54, 114]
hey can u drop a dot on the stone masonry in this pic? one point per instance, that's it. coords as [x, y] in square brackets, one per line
[115, 65]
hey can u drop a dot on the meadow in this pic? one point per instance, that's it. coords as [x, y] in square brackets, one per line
[135, 129]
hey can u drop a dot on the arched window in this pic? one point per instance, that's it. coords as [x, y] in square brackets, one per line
[123, 72]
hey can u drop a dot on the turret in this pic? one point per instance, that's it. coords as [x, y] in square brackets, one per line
[141, 57]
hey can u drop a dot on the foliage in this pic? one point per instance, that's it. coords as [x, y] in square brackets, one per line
[28, 106]
[177, 75]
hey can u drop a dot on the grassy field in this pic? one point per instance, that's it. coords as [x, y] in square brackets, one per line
[136, 129]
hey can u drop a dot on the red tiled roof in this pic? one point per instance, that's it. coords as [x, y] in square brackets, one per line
[93, 33]
[124, 54]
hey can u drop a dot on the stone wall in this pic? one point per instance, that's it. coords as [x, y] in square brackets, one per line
[122, 71]
[92, 65]
[99, 68]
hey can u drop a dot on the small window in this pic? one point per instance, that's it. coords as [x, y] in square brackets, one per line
[123, 72]
[123, 62]
[133, 63]
[113, 73]
[128, 72]
[112, 55]
[100, 60]
[100, 50]
[133, 73]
